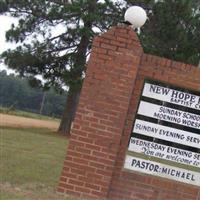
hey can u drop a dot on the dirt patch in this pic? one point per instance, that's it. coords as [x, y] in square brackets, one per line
[23, 122]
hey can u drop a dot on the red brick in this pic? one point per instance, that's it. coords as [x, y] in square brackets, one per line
[92, 186]
[93, 147]
[75, 182]
[80, 161]
[65, 185]
[82, 189]
[77, 172]
[108, 46]
[63, 179]
[83, 150]
[118, 44]
[110, 94]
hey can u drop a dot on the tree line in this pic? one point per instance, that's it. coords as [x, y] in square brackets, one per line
[16, 93]
[172, 31]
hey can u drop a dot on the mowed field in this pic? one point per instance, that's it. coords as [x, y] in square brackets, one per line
[25, 122]
[31, 158]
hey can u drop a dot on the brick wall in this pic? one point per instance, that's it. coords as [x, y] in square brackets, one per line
[134, 186]
[115, 74]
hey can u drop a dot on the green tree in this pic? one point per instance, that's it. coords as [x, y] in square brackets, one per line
[3, 6]
[173, 30]
[16, 93]
[61, 58]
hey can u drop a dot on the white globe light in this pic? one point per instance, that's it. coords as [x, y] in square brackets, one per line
[136, 16]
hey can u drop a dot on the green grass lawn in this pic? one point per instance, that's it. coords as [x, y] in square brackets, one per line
[31, 163]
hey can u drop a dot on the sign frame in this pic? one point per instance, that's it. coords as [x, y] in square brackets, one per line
[168, 104]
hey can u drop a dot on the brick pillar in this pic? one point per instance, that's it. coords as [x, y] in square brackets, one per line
[101, 114]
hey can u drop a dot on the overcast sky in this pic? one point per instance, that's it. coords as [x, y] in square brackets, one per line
[5, 23]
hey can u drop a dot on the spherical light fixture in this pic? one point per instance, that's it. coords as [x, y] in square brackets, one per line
[136, 16]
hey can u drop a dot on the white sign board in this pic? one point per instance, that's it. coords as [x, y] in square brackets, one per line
[169, 114]
[167, 133]
[165, 140]
[172, 96]
[164, 152]
[162, 170]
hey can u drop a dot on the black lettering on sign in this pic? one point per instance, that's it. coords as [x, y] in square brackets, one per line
[159, 90]
[183, 96]
[145, 165]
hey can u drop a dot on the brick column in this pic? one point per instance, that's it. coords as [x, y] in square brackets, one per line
[101, 115]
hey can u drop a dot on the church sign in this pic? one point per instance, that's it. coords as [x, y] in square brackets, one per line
[165, 139]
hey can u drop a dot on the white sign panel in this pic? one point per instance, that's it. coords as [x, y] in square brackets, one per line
[167, 133]
[172, 96]
[169, 114]
[166, 130]
[162, 170]
[164, 152]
